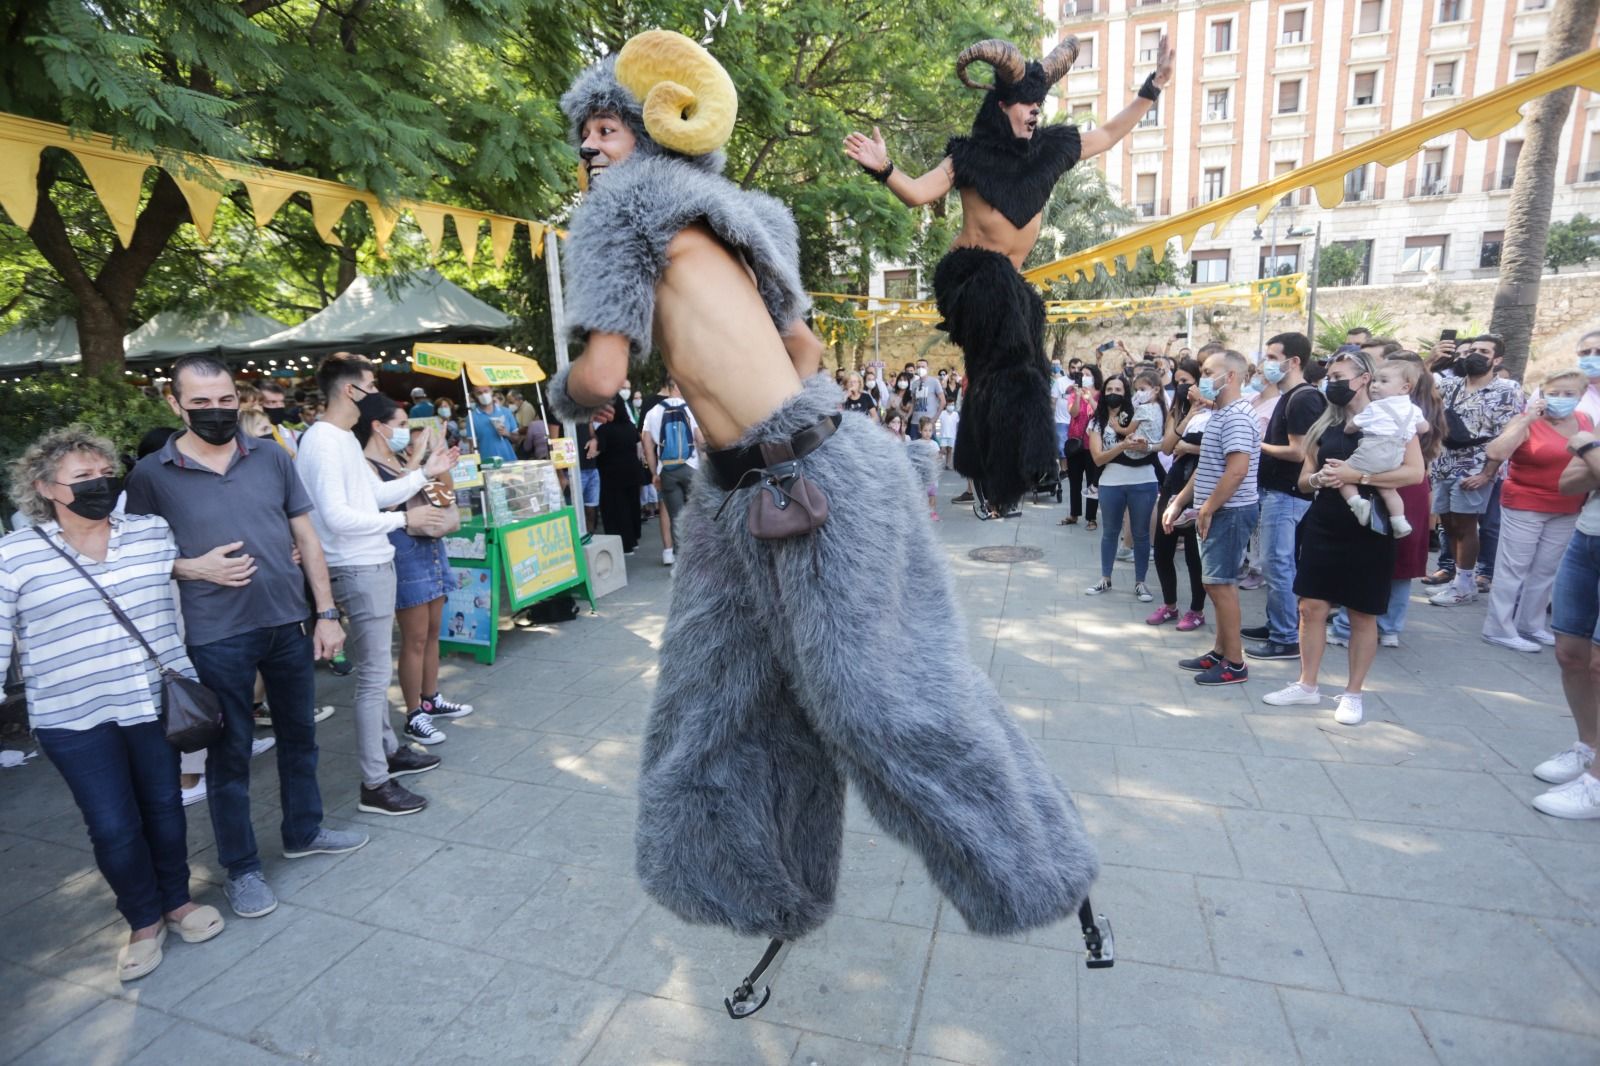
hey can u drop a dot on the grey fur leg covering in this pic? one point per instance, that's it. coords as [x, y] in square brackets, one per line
[561, 401]
[771, 683]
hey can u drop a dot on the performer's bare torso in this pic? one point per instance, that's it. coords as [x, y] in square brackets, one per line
[985, 227]
[717, 339]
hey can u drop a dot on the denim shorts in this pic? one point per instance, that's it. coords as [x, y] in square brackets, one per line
[1061, 437]
[1450, 498]
[1222, 551]
[1575, 606]
[420, 569]
[591, 487]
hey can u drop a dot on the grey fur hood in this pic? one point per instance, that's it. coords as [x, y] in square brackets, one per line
[617, 245]
[596, 91]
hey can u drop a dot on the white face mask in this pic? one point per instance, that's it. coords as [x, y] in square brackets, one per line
[922, 371]
[485, 399]
[1142, 396]
[1087, 381]
[444, 412]
[400, 438]
[625, 393]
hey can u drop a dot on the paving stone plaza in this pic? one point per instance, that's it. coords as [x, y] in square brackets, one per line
[1283, 889]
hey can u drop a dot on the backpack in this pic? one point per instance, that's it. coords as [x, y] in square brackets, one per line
[677, 438]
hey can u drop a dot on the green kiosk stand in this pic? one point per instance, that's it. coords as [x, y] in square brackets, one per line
[524, 562]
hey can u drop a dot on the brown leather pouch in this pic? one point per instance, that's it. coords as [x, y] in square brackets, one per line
[787, 504]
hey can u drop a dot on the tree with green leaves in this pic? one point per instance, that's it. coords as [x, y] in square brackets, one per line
[1339, 263]
[453, 102]
[1572, 242]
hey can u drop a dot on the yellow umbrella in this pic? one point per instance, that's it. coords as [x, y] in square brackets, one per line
[478, 364]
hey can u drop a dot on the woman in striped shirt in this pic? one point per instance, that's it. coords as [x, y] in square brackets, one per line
[93, 694]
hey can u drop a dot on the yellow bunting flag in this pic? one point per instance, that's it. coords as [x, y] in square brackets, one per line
[117, 182]
[469, 228]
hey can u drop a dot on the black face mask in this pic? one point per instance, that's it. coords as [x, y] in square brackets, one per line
[1180, 391]
[1475, 365]
[277, 415]
[1114, 400]
[214, 425]
[95, 498]
[1340, 393]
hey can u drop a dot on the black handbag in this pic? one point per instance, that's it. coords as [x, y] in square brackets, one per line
[191, 714]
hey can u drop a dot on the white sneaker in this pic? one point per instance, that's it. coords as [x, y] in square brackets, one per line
[1389, 640]
[194, 795]
[1348, 709]
[1293, 693]
[1361, 508]
[1336, 640]
[323, 713]
[1578, 798]
[1514, 643]
[1124, 555]
[1567, 766]
[1142, 591]
[1399, 526]
[420, 728]
[262, 745]
[666, 557]
[1097, 588]
[1542, 636]
[1450, 596]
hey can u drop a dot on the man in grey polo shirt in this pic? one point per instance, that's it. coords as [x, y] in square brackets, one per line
[238, 512]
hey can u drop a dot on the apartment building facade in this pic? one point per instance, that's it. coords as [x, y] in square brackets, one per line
[1264, 86]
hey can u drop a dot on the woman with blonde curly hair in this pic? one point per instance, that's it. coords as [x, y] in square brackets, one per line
[94, 699]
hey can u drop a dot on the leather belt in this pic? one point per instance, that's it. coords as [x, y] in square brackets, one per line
[730, 465]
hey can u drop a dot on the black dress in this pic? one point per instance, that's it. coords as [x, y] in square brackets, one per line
[1338, 559]
[621, 475]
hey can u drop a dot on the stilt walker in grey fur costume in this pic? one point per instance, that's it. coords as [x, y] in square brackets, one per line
[780, 618]
[1006, 169]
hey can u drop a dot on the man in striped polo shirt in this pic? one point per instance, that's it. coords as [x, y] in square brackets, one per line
[1223, 489]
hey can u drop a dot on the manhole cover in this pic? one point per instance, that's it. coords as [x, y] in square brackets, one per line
[1006, 553]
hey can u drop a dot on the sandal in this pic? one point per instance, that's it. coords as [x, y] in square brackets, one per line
[139, 957]
[199, 925]
[1070, 520]
[1091, 524]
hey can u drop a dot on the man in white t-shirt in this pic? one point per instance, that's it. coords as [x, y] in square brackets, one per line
[1061, 396]
[355, 538]
[672, 444]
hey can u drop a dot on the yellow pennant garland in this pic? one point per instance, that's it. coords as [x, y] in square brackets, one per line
[1490, 114]
[117, 176]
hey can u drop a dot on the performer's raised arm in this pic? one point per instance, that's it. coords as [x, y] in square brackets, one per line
[873, 155]
[1108, 133]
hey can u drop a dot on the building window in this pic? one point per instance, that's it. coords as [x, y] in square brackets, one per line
[1452, 10]
[1592, 173]
[1222, 35]
[1209, 268]
[1508, 163]
[1364, 90]
[1083, 116]
[1276, 262]
[1489, 250]
[1279, 169]
[1151, 117]
[1288, 97]
[1444, 78]
[1535, 5]
[1294, 26]
[1071, 8]
[1371, 19]
[1433, 179]
[1357, 183]
[1215, 184]
[900, 285]
[1217, 104]
[1085, 59]
[1145, 195]
[1523, 63]
[1423, 253]
[1149, 45]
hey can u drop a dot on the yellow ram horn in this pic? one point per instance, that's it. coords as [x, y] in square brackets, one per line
[690, 104]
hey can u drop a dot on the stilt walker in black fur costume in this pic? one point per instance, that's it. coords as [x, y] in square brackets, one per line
[780, 618]
[1005, 168]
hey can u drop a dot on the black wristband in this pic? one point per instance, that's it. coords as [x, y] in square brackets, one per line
[879, 176]
[1149, 90]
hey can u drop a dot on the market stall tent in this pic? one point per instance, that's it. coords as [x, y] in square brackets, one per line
[36, 346]
[174, 334]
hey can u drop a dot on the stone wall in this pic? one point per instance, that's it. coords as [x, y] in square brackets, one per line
[1569, 304]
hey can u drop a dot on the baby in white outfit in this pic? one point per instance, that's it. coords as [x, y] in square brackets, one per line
[1387, 425]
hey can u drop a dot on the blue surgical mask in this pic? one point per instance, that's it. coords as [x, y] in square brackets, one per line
[1272, 370]
[400, 438]
[1208, 388]
[1560, 406]
[1254, 388]
[1590, 365]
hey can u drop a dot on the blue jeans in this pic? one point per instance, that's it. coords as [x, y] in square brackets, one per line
[1139, 501]
[1575, 604]
[125, 781]
[282, 655]
[1280, 514]
[1489, 534]
[1390, 623]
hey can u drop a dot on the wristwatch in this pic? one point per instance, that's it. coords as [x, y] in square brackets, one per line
[330, 615]
[1586, 449]
[1364, 479]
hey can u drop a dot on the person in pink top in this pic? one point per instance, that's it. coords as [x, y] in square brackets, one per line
[1536, 519]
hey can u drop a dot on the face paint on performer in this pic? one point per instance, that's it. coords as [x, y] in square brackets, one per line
[606, 140]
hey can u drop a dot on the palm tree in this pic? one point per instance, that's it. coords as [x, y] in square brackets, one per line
[1522, 256]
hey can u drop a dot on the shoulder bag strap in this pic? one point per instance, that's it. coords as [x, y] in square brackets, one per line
[115, 610]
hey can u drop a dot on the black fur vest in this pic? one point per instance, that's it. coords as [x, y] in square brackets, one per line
[1014, 176]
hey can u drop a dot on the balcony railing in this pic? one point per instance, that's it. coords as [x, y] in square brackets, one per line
[1148, 55]
[1293, 36]
[1433, 187]
[1217, 114]
[1443, 89]
[1364, 193]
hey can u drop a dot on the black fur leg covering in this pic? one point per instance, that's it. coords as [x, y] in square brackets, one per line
[769, 696]
[1006, 440]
